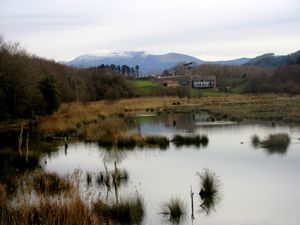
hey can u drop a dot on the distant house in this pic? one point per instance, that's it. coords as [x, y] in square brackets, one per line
[195, 81]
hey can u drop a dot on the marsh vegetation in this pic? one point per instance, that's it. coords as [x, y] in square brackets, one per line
[210, 190]
[174, 209]
[274, 143]
[126, 185]
[196, 140]
[44, 198]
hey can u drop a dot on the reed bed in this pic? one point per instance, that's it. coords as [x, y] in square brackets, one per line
[126, 211]
[65, 206]
[135, 141]
[196, 140]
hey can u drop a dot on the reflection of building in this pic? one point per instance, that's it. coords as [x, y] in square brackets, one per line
[195, 81]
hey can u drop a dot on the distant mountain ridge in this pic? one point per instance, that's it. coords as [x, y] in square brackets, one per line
[150, 63]
[270, 60]
[239, 61]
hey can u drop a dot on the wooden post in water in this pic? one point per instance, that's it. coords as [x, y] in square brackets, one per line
[115, 181]
[192, 203]
[66, 145]
[27, 146]
[20, 140]
[107, 181]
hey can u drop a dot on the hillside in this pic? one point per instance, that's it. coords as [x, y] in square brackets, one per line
[271, 60]
[148, 63]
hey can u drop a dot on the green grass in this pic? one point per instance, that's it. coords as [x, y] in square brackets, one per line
[205, 92]
[144, 87]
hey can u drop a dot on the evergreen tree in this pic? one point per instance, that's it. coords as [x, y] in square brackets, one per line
[137, 68]
[51, 94]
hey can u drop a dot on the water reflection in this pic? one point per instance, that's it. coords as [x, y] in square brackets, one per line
[177, 121]
[20, 151]
[107, 180]
[112, 155]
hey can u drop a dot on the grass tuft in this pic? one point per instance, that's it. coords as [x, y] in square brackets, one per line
[209, 192]
[274, 143]
[175, 209]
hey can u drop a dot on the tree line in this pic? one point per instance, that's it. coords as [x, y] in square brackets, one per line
[32, 86]
[130, 72]
[247, 78]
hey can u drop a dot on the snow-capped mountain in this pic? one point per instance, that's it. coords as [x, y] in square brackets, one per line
[148, 63]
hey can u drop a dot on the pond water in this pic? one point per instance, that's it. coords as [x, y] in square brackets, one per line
[257, 186]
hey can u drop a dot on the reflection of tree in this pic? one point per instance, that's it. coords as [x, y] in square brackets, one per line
[20, 151]
[210, 190]
[112, 155]
[114, 178]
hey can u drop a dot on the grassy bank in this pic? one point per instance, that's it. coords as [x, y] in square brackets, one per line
[74, 117]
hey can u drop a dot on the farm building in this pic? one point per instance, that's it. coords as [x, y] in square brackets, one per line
[195, 81]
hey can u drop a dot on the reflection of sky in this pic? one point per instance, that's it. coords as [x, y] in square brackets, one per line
[256, 188]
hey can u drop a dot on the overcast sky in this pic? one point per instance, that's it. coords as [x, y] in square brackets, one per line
[207, 29]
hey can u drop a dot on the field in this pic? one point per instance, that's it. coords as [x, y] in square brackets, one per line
[144, 87]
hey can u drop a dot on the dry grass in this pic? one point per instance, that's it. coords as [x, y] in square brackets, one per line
[65, 206]
[231, 106]
[71, 114]
[32, 206]
[126, 211]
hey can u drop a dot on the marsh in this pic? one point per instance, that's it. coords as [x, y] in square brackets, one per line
[247, 174]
